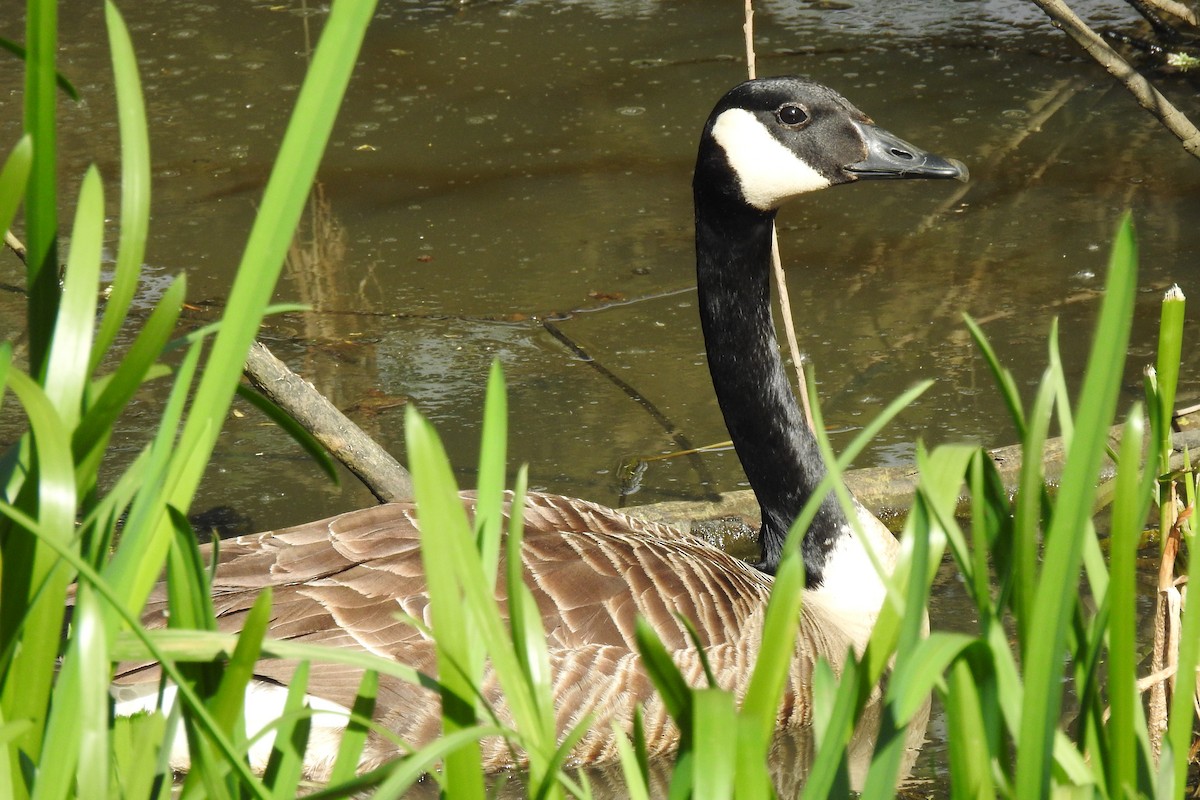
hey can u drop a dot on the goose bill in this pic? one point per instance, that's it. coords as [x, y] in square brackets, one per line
[889, 156]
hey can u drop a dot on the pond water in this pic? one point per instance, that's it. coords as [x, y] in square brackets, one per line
[497, 164]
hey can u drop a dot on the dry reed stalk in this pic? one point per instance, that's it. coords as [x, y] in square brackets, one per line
[785, 304]
[15, 245]
[1165, 656]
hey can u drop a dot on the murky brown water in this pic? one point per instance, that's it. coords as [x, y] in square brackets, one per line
[496, 163]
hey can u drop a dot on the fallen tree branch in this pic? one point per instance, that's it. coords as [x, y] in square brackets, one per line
[1142, 90]
[345, 441]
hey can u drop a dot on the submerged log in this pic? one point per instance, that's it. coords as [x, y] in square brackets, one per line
[888, 491]
[337, 433]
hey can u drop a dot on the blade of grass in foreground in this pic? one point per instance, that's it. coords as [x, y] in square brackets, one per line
[32, 593]
[286, 764]
[41, 197]
[355, 736]
[28, 685]
[445, 535]
[135, 569]
[714, 718]
[13, 176]
[135, 181]
[1128, 514]
[780, 627]
[66, 371]
[1064, 547]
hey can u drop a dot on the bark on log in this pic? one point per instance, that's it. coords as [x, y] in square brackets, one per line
[887, 491]
[345, 441]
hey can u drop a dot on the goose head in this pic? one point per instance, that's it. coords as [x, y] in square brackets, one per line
[766, 142]
[772, 139]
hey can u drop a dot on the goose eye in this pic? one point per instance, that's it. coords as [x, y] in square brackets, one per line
[792, 115]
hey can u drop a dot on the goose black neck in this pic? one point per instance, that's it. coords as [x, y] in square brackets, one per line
[778, 451]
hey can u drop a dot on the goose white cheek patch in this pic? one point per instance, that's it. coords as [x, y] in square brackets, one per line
[767, 171]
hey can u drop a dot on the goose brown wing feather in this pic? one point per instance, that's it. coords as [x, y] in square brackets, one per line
[351, 580]
[591, 570]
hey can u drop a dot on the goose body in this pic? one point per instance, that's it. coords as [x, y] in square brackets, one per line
[345, 581]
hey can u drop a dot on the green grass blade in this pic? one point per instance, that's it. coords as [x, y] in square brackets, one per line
[13, 177]
[91, 437]
[1058, 376]
[1027, 509]
[631, 769]
[1064, 547]
[752, 767]
[492, 468]
[1129, 513]
[61, 80]
[283, 200]
[446, 537]
[1093, 557]
[90, 704]
[528, 636]
[286, 763]
[41, 203]
[992, 533]
[713, 768]
[1182, 716]
[227, 702]
[189, 597]
[77, 729]
[967, 737]
[668, 680]
[67, 367]
[135, 181]
[834, 701]
[149, 505]
[355, 735]
[1166, 365]
[34, 582]
[407, 772]
[227, 705]
[288, 424]
[5, 365]
[1004, 379]
[911, 683]
[136, 741]
[780, 628]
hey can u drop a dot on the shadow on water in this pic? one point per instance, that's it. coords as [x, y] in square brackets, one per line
[499, 164]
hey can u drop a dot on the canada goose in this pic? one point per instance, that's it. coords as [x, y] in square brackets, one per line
[592, 570]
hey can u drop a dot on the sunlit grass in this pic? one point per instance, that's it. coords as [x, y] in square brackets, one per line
[1022, 560]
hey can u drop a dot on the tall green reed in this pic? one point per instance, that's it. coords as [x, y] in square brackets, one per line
[56, 525]
[1026, 563]
[1032, 561]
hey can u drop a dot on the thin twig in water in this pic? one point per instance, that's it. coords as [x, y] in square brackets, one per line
[748, 30]
[785, 305]
[15, 245]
